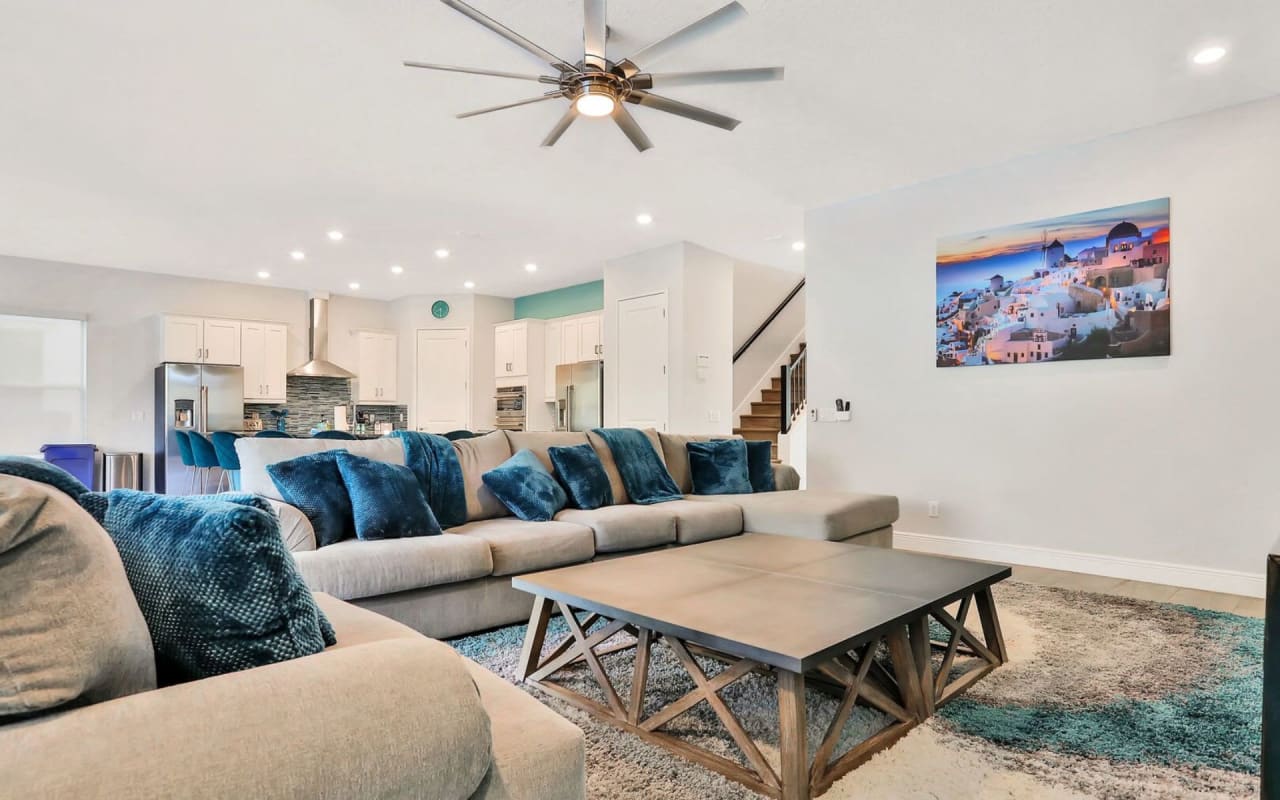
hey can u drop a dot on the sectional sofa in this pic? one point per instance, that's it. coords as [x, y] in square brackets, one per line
[460, 582]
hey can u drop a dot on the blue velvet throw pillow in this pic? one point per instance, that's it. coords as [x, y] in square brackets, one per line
[582, 472]
[313, 484]
[218, 589]
[760, 466]
[719, 467]
[386, 499]
[526, 487]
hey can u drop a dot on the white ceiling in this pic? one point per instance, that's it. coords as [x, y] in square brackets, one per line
[211, 137]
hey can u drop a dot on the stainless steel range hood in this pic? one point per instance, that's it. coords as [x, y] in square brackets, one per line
[318, 345]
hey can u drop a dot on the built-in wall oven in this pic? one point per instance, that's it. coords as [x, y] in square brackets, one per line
[511, 408]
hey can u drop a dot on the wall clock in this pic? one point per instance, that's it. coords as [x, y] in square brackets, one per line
[439, 309]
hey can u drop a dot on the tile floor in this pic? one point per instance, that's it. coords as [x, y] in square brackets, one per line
[1246, 606]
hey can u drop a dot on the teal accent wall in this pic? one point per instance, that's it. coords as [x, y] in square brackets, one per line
[562, 302]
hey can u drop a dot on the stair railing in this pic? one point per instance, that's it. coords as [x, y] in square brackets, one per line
[737, 354]
[793, 389]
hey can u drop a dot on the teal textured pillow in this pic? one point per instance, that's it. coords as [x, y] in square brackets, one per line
[526, 487]
[313, 484]
[386, 499]
[582, 473]
[719, 467]
[760, 466]
[218, 588]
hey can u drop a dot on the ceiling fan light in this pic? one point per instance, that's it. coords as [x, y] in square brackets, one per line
[595, 101]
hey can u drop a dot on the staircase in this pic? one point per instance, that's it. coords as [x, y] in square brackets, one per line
[764, 423]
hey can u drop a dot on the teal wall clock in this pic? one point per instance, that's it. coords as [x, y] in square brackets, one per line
[439, 309]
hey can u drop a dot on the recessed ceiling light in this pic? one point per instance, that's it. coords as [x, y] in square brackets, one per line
[1210, 55]
[298, 255]
[442, 253]
[335, 236]
[644, 219]
[264, 274]
[468, 284]
[531, 267]
[798, 246]
[353, 286]
[396, 269]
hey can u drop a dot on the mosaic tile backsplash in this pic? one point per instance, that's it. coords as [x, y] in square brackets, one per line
[311, 400]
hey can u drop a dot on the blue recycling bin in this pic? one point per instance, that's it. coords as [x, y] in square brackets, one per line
[78, 459]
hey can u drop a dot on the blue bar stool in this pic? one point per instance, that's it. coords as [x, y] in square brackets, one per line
[270, 434]
[224, 444]
[345, 435]
[188, 460]
[205, 456]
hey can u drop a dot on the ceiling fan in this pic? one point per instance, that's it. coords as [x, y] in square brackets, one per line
[598, 87]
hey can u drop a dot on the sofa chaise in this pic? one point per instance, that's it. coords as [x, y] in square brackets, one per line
[460, 582]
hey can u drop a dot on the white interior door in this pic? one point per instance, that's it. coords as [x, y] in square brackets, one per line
[443, 378]
[642, 362]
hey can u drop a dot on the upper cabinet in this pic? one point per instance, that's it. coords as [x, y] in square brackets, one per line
[590, 341]
[376, 381]
[264, 354]
[551, 360]
[576, 339]
[196, 340]
[511, 349]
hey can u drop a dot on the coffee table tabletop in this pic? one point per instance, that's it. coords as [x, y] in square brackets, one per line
[789, 603]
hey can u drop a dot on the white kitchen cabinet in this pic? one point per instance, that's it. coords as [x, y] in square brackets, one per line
[590, 341]
[264, 353]
[511, 342]
[377, 376]
[551, 360]
[196, 340]
[520, 344]
[570, 347]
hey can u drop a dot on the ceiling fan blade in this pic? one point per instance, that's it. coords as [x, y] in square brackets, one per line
[753, 75]
[683, 110]
[508, 34]
[631, 128]
[709, 24]
[490, 72]
[539, 99]
[595, 32]
[561, 126]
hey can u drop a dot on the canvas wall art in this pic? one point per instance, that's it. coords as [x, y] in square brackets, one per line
[1085, 286]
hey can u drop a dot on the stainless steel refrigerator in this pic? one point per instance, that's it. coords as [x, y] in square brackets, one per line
[192, 397]
[580, 396]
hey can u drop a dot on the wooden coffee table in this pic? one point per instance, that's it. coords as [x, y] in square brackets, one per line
[847, 620]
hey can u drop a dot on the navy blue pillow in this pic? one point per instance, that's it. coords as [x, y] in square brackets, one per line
[526, 487]
[760, 466]
[386, 499]
[582, 473]
[217, 587]
[719, 467]
[313, 484]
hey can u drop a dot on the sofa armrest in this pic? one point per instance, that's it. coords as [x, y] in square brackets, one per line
[296, 530]
[785, 477]
[394, 718]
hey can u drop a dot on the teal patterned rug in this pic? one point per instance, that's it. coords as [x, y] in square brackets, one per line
[1103, 697]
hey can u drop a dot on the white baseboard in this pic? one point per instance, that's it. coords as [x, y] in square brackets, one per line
[1133, 569]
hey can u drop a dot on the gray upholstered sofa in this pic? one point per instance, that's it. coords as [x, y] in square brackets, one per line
[385, 713]
[461, 582]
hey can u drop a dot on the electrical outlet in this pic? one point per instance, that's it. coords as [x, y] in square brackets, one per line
[813, 414]
[934, 510]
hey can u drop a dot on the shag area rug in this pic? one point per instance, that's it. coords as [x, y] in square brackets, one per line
[1103, 697]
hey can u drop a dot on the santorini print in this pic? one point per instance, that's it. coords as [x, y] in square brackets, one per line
[1085, 286]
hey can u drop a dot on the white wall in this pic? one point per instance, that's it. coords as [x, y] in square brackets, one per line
[699, 287]
[757, 290]
[1170, 460]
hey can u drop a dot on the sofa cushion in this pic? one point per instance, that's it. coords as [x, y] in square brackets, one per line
[72, 631]
[719, 467]
[386, 500]
[518, 546]
[477, 456]
[629, 527]
[579, 469]
[219, 591]
[255, 454]
[760, 466]
[313, 484]
[705, 520]
[352, 570]
[812, 513]
[619, 490]
[525, 486]
[541, 442]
